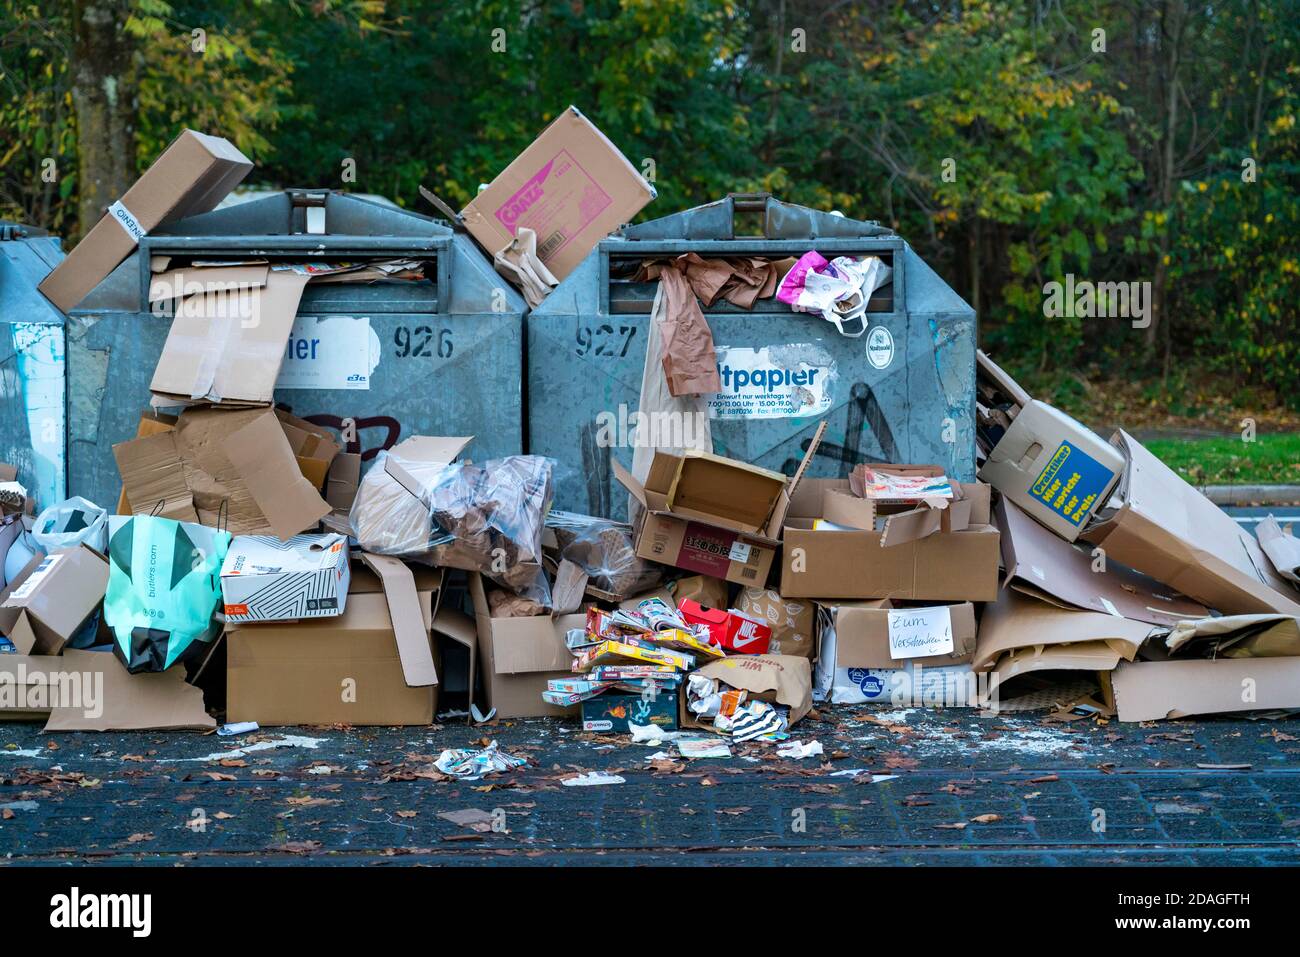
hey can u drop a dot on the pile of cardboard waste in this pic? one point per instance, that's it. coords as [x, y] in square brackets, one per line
[252, 572]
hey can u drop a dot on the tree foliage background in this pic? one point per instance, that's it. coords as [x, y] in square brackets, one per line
[1118, 140]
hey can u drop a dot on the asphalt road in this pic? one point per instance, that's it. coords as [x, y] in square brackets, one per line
[910, 787]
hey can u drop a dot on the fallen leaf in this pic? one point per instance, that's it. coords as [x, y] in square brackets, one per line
[985, 818]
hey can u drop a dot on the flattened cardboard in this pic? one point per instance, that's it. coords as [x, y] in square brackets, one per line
[571, 186]
[519, 655]
[54, 600]
[1154, 690]
[25, 686]
[158, 701]
[225, 348]
[410, 622]
[264, 493]
[190, 281]
[862, 636]
[191, 176]
[1041, 564]
[1163, 527]
[1016, 622]
[285, 498]
[1239, 636]
[1282, 549]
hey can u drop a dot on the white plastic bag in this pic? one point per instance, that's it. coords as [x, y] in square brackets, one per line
[72, 522]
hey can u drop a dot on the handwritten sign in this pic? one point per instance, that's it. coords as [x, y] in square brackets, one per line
[920, 632]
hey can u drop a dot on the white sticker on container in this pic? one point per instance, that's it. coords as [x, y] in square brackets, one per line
[739, 552]
[880, 347]
[774, 382]
[329, 352]
[124, 218]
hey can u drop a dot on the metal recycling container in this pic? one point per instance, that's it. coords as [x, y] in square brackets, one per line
[377, 362]
[903, 392]
[32, 406]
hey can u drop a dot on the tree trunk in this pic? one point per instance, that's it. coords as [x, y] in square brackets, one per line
[1175, 20]
[104, 97]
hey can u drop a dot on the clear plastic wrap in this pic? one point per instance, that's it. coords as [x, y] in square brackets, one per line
[486, 518]
[605, 550]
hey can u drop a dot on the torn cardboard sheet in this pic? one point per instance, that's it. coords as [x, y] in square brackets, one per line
[1045, 566]
[1016, 621]
[160, 701]
[225, 347]
[228, 466]
[1154, 690]
[1282, 548]
[1237, 636]
[1159, 525]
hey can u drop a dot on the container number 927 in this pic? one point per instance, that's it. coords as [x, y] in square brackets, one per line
[605, 340]
[422, 342]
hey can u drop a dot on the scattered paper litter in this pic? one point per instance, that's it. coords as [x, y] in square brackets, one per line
[651, 734]
[471, 765]
[863, 772]
[592, 778]
[287, 741]
[800, 749]
[703, 748]
[239, 727]
[473, 818]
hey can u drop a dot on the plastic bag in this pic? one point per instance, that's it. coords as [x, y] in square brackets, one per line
[163, 587]
[72, 522]
[605, 551]
[485, 518]
[838, 290]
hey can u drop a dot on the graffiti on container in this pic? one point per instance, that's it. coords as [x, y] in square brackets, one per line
[350, 429]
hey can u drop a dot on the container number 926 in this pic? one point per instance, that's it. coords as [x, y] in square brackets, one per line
[422, 342]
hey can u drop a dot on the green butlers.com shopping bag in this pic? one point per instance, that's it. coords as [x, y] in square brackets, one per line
[163, 586]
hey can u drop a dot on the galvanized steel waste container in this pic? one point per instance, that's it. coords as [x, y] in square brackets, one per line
[32, 403]
[903, 392]
[377, 362]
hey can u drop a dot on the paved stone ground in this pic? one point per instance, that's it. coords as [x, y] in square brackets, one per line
[966, 788]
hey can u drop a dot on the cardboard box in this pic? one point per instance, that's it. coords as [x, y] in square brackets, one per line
[1056, 469]
[719, 490]
[1163, 527]
[265, 579]
[571, 186]
[712, 537]
[611, 711]
[1040, 564]
[192, 176]
[54, 600]
[519, 655]
[225, 346]
[867, 652]
[217, 466]
[960, 565]
[372, 665]
[1153, 690]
